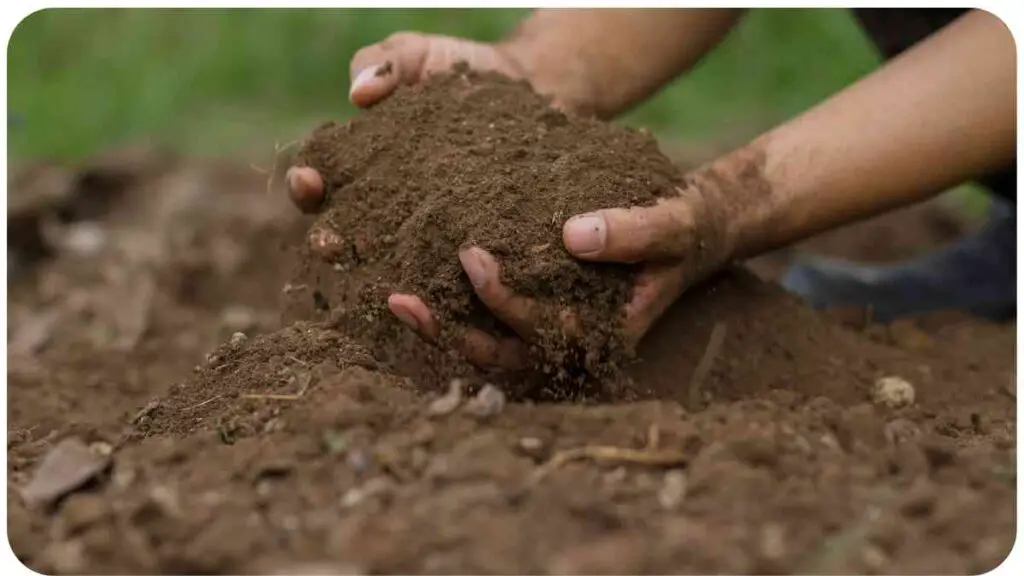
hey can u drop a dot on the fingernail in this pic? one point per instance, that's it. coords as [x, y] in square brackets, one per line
[585, 234]
[406, 317]
[475, 267]
[363, 78]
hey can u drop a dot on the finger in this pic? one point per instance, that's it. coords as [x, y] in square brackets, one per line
[378, 69]
[413, 312]
[486, 351]
[305, 188]
[521, 314]
[630, 235]
[656, 288]
[478, 347]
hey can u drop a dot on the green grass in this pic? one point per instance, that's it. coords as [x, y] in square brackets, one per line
[224, 81]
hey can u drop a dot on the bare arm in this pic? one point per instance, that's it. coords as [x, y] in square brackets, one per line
[940, 114]
[604, 61]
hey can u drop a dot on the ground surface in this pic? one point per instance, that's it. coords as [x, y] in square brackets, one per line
[297, 451]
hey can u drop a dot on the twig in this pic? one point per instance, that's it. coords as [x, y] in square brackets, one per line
[704, 366]
[646, 457]
[203, 403]
[278, 150]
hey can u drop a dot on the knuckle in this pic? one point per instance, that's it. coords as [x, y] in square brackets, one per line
[398, 39]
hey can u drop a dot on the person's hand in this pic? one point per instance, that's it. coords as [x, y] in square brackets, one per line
[676, 241]
[672, 241]
[408, 58]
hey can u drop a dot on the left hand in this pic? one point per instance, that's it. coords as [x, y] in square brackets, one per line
[674, 240]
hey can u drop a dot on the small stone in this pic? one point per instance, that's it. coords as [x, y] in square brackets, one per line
[449, 402]
[101, 448]
[893, 392]
[238, 338]
[85, 238]
[673, 490]
[66, 468]
[489, 401]
[531, 445]
[373, 487]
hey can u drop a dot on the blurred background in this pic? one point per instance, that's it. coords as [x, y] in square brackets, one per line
[234, 82]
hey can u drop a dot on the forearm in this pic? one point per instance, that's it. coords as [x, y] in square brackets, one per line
[604, 61]
[941, 114]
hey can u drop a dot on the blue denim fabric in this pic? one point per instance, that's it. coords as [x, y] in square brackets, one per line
[977, 274]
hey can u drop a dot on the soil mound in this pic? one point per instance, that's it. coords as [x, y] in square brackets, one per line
[244, 385]
[478, 159]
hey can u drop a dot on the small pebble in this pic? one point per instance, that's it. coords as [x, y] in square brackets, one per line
[85, 239]
[449, 402]
[101, 449]
[894, 392]
[238, 338]
[67, 467]
[488, 402]
[372, 487]
[531, 444]
[673, 490]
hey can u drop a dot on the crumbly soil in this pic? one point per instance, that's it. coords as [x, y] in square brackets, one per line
[478, 159]
[304, 448]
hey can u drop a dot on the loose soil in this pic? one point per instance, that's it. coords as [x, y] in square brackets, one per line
[751, 442]
[478, 159]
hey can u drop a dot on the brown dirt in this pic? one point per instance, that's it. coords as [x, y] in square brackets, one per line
[470, 159]
[303, 449]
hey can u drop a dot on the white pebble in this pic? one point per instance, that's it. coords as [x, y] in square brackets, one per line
[894, 392]
[490, 400]
[673, 490]
[449, 402]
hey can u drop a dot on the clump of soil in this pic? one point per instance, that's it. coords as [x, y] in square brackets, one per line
[479, 159]
[245, 383]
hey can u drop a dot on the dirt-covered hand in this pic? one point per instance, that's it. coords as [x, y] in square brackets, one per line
[668, 239]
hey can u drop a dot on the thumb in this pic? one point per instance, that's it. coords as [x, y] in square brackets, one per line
[378, 69]
[629, 235]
